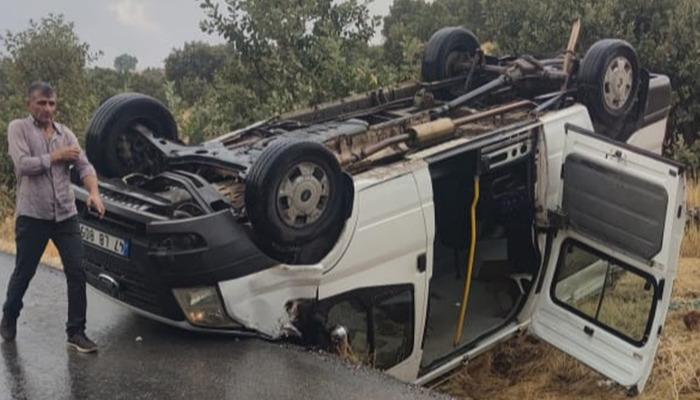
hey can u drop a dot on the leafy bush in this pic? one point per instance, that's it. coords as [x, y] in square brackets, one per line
[688, 154]
[285, 55]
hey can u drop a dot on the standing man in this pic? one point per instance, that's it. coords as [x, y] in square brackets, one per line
[42, 151]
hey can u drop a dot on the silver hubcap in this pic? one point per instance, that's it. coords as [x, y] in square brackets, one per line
[617, 85]
[302, 195]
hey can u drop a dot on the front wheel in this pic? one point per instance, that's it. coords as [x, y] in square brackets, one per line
[113, 144]
[294, 193]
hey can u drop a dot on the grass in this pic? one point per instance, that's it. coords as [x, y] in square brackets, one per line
[693, 195]
[628, 297]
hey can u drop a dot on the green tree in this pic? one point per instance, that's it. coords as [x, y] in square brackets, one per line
[7, 112]
[296, 52]
[677, 55]
[280, 56]
[125, 63]
[193, 68]
[48, 50]
[104, 83]
[408, 20]
[150, 81]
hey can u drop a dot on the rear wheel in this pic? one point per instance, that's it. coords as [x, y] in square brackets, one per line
[446, 49]
[114, 146]
[294, 193]
[609, 79]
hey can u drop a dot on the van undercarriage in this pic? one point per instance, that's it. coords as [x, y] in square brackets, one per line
[406, 228]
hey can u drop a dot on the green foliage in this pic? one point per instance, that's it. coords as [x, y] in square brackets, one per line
[104, 83]
[125, 65]
[688, 154]
[49, 50]
[414, 21]
[228, 105]
[678, 57]
[7, 113]
[288, 54]
[193, 68]
[150, 81]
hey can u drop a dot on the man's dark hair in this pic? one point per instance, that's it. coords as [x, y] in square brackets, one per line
[44, 88]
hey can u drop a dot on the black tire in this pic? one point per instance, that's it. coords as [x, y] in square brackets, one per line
[114, 121]
[312, 173]
[609, 95]
[444, 48]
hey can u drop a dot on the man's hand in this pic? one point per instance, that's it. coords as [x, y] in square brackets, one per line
[65, 154]
[95, 202]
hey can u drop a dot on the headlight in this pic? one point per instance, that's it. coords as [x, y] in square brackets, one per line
[202, 307]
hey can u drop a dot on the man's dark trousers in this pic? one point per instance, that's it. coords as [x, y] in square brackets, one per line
[32, 235]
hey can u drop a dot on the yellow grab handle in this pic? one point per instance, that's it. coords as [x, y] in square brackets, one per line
[470, 265]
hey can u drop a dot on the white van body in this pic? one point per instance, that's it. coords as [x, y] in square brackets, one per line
[393, 224]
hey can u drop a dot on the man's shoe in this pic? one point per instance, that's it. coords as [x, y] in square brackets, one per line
[81, 343]
[8, 328]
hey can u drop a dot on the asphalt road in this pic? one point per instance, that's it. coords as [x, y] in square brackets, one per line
[165, 363]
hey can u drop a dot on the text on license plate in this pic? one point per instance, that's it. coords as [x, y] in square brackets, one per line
[104, 240]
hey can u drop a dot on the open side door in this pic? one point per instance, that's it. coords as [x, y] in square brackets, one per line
[607, 285]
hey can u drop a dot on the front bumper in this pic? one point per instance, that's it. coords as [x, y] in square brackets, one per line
[222, 250]
[181, 324]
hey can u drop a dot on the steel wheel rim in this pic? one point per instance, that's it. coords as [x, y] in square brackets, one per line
[302, 195]
[617, 83]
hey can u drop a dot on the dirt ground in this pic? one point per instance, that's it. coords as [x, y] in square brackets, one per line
[525, 368]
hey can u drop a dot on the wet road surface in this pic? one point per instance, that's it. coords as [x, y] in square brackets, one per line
[167, 363]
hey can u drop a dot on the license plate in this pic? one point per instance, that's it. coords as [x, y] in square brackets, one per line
[104, 240]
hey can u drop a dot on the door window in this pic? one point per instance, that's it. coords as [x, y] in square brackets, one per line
[393, 330]
[605, 291]
[352, 314]
[379, 323]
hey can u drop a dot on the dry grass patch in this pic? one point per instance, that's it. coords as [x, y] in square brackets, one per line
[7, 243]
[693, 194]
[691, 240]
[690, 246]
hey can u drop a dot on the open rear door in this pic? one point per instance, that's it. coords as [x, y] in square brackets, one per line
[608, 279]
